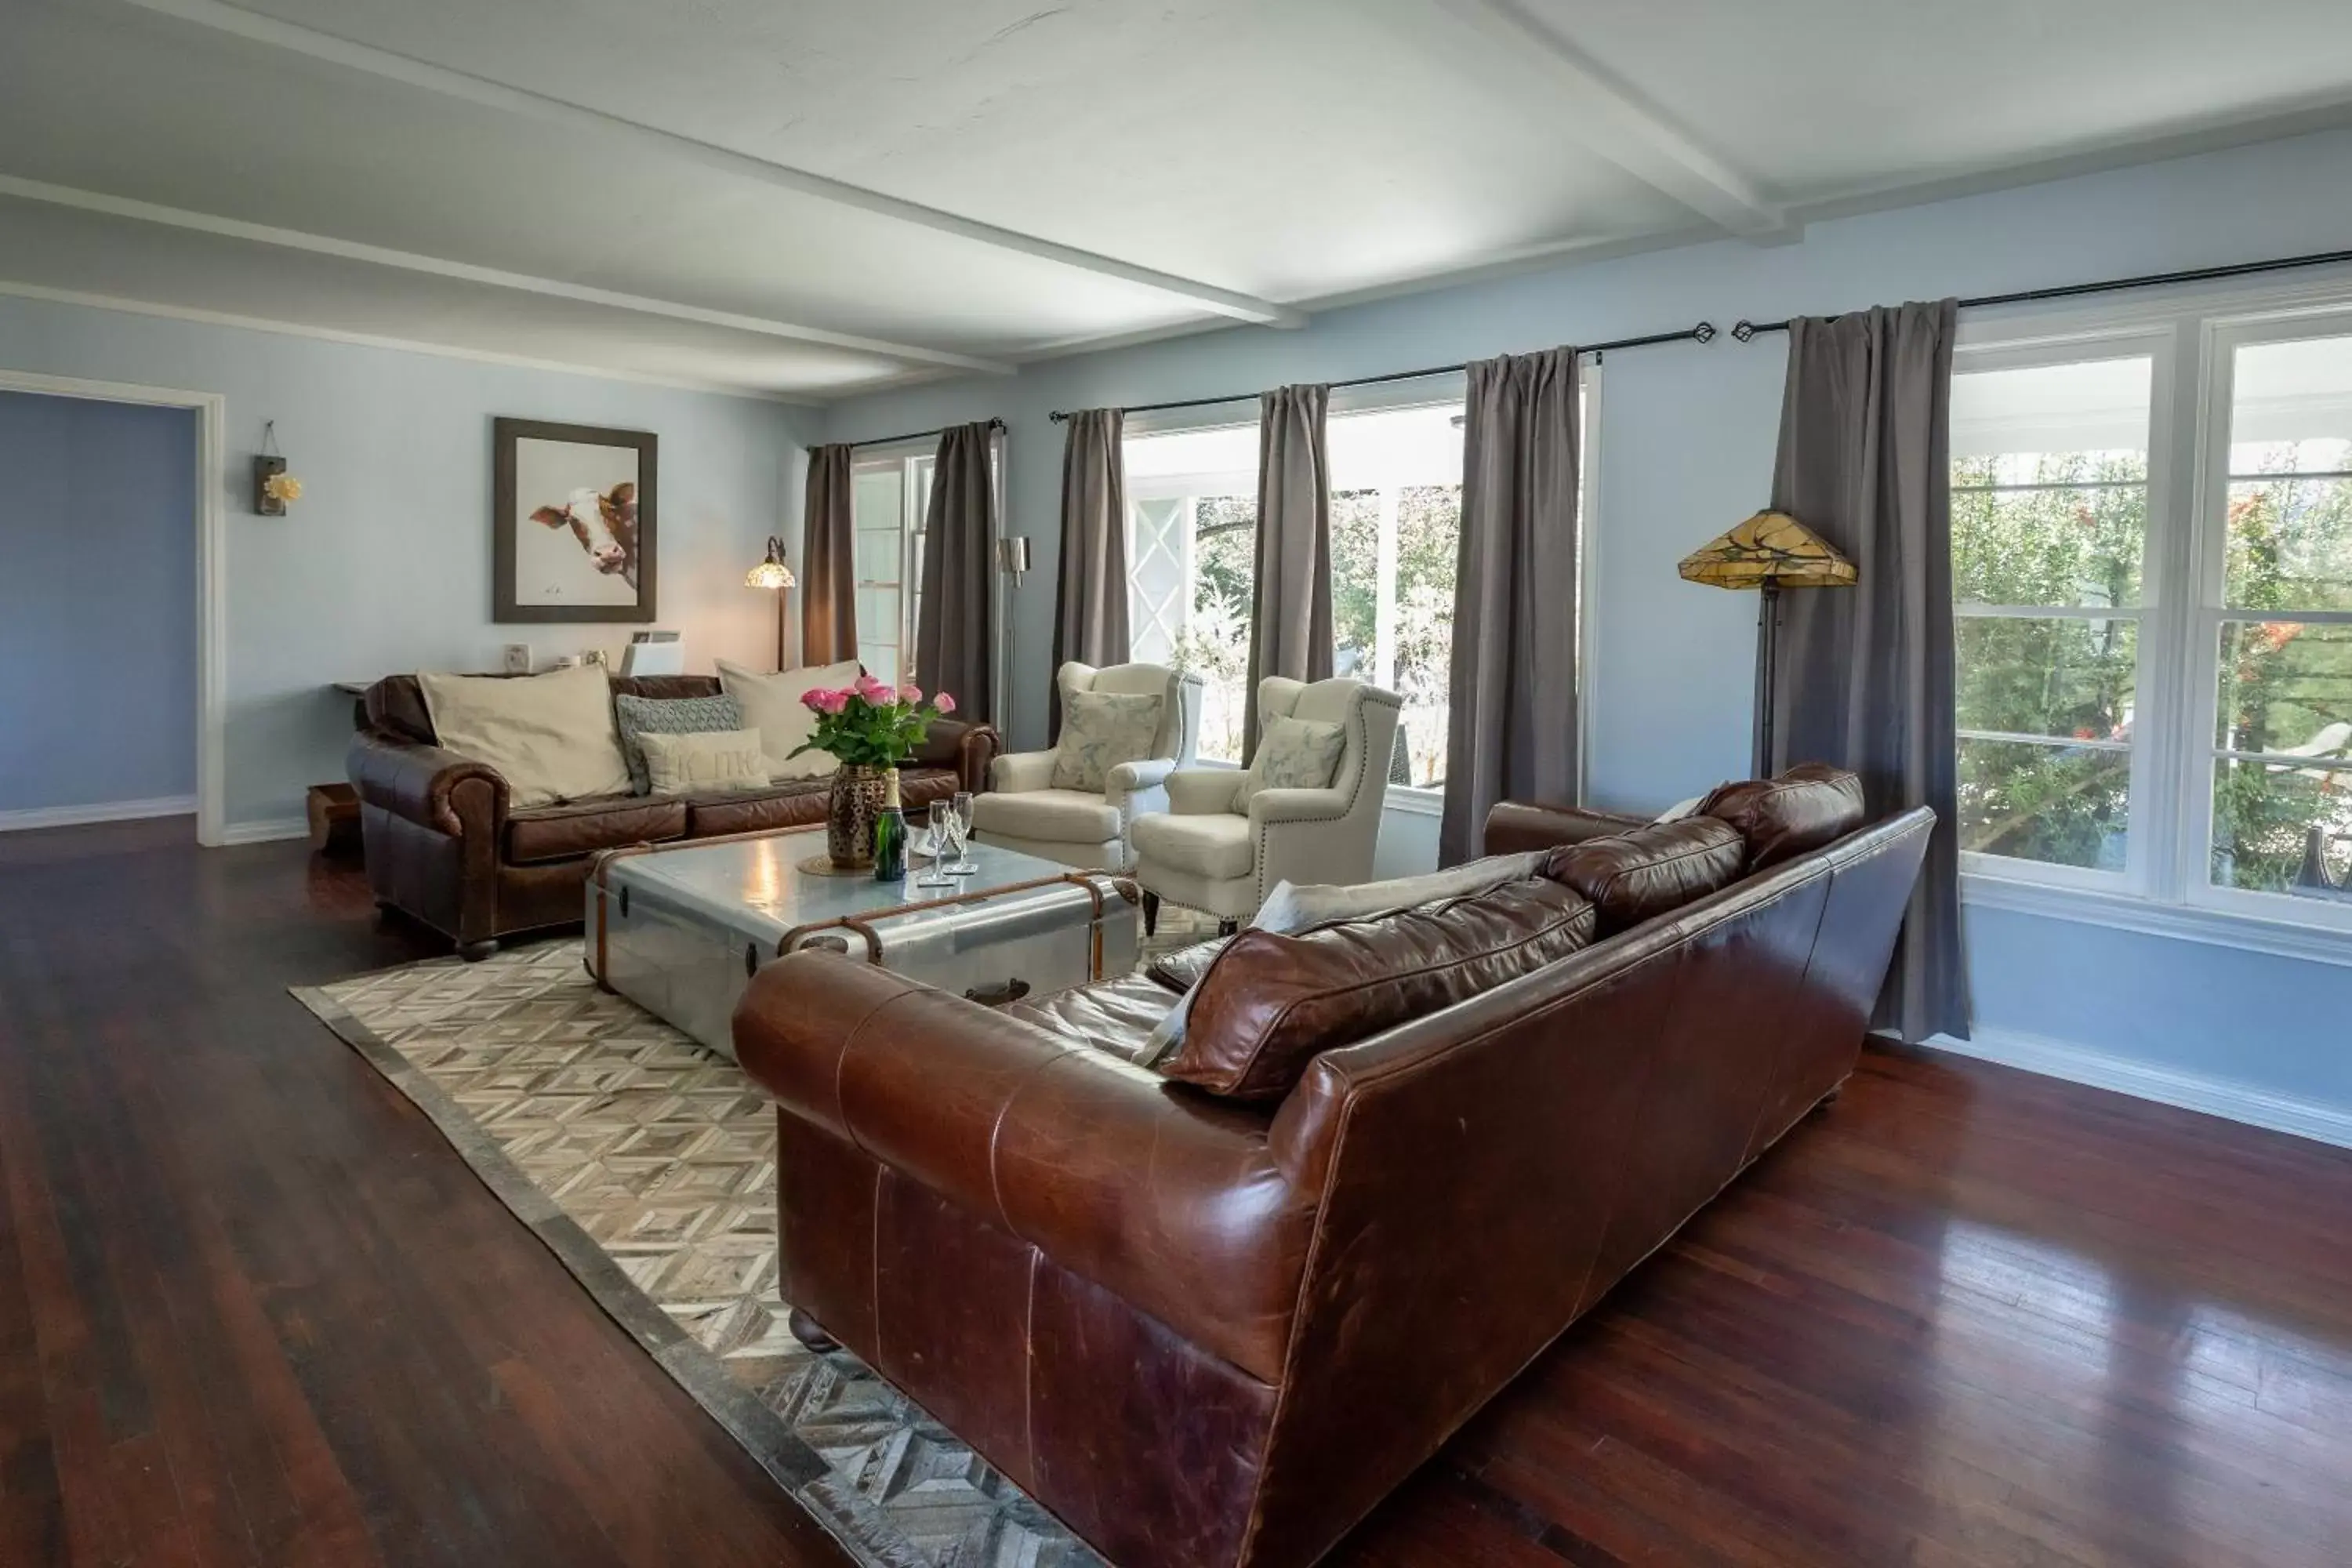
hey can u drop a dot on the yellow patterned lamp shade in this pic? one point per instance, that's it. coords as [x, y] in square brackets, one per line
[1772, 549]
[772, 573]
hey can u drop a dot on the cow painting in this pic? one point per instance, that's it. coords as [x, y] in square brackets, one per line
[574, 520]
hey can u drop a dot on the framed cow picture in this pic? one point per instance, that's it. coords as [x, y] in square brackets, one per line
[572, 519]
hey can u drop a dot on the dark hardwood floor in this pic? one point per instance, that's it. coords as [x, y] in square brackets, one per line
[254, 1311]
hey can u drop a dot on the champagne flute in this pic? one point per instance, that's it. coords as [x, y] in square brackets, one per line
[964, 865]
[942, 815]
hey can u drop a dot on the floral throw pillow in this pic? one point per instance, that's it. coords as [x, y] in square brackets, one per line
[1295, 754]
[1101, 730]
[636, 717]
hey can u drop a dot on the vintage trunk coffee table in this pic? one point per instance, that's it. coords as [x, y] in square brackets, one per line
[680, 928]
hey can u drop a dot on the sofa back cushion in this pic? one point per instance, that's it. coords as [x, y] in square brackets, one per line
[1780, 818]
[396, 704]
[1272, 1002]
[1633, 876]
[550, 736]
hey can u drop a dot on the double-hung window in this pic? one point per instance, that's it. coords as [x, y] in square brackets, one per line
[2152, 581]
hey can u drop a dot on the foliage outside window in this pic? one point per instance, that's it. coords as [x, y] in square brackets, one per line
[887, 498]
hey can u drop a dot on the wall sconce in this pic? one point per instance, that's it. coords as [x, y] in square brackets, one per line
[273, 487]
[1012, 557]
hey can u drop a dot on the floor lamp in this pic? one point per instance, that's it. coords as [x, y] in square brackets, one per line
[1770, 551]
[774, 574]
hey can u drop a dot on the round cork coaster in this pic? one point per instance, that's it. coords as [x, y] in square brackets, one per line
[823, 865]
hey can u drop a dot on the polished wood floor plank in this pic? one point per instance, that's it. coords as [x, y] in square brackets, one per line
[254, 1311]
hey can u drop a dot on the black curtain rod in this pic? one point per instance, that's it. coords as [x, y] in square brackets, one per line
[1703, 332]
[914, 435]
[1744, 329]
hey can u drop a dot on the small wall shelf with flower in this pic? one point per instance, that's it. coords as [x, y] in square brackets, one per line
[273, 487]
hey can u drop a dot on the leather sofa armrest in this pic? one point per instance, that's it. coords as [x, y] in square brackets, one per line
[1017, 773]
[1203, 792]
[1039, 1137]
[964, 745]
[1515, 826]
[420, 783]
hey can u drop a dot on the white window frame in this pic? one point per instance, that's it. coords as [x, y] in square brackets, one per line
[911, 464]
[2152, 706]
[2165, 889]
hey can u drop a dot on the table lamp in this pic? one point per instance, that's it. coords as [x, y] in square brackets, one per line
[774, 574]
[1770, 551]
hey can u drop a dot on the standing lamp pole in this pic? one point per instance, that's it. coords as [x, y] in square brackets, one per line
[1769, 552]
[777, 577]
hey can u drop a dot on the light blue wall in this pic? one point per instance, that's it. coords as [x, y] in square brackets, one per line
[384, 563]
[98, 603]
[1686, 449]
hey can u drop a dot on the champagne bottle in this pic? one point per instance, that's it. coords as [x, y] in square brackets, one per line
[891, 833]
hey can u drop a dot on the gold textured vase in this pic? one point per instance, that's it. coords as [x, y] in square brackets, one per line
[854, 802]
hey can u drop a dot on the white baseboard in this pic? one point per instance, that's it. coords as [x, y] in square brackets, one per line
[267, 831]
[2165, 1086]
[110, 811]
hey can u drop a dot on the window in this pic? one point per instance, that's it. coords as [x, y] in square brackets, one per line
[1396, 519]
[889, 496]
[2153, 617]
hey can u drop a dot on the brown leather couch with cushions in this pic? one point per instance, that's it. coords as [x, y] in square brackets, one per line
[1210, 1330]
[443, 845]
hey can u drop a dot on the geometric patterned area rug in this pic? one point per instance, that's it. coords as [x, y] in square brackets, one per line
[648, 1165]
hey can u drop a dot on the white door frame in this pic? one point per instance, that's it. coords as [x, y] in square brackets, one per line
[211, 565]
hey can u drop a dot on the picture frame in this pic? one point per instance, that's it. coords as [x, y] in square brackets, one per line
[573, 522]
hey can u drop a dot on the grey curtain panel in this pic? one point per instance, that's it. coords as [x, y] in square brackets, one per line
[1290, 624]
[1511, 725]
[828, 573]
[1090, 598]
[1865, 676]
[955, 633]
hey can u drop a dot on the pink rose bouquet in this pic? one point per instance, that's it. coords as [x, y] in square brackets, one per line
[870, 723]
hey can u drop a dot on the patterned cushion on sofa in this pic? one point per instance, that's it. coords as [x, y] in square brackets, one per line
[638, 716]
[1101, 730]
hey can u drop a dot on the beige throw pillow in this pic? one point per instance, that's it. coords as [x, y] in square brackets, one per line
[705, 760]
[773, 706]
[1294, 754]
[550, 736]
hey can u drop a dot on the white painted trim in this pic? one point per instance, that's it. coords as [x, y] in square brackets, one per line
[211, 565]
[269, 830]
[412, 72]
[36, 817]
[2231, 1100]
[403, 345]
[1408, 800]
[467, 272]
[2151, 917]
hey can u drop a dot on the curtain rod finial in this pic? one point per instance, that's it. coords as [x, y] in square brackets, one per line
[1704, 332]
[1743, 329]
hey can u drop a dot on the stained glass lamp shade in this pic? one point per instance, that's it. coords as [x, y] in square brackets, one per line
[773, 574]
[1770, 548]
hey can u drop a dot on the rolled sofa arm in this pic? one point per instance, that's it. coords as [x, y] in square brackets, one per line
[966, 746]
[1513, 826]
[1040, 1137]
[1018, 773]
[420, 783]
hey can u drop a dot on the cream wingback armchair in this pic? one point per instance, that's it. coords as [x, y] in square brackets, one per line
[1227, 838]
[1024, 810]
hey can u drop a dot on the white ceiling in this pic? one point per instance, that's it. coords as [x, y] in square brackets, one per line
[813, 200]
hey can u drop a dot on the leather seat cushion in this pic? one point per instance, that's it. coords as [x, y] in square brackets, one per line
[1811, 805]
[1216, 845]
[1115, 1017]
[1182, 970]
[1271, 1003]
[569, 829]
[1056, 816]
[788, 803]
[1633, 876]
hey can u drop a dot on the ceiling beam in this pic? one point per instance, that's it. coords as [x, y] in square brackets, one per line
[392, 67]
[465, 271]
[1605, 113]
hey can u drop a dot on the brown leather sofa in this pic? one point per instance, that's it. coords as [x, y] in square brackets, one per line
[442, 844]
[1211, 1330]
